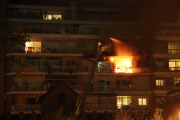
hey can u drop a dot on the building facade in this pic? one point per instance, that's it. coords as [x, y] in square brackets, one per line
[64, 41]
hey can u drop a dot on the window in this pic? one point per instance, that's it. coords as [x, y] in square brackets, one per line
[159, 46]
[176, 80]
[31, 101]
[159, 82]
[71, 63]
[104, 67]
[123, 101]
[33, 47]
[142, 101]
[174, 64]
[173, 48]
[70, 45]
[33, 62]
[87, 45]
[57, 17]
[48, 17]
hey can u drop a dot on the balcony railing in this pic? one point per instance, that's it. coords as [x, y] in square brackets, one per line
[44, 50]
[113, 107]
[167, 87]
[84, 17]
[167, 51]
[170, 69]
[134, 88]
[96, 107]
[89, 50]
[134, 70]
[45, 69]
[28, 88]
[26, 108]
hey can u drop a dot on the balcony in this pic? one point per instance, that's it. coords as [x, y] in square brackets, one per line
[170, 69]
[134, 88]
[167, 51]
[113, 107]
[80, 17]
[29, 88]
[37, 50]
[45, 69]
[167, 87]
[89, 51]
[99, 107]
[134, 70]
[26, 108]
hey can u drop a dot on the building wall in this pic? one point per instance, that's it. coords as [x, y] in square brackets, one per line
[52, 98]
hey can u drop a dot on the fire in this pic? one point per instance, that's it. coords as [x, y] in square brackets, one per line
[122, 64]
[123, 60]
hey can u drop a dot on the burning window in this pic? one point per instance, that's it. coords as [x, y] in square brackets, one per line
[123, 64]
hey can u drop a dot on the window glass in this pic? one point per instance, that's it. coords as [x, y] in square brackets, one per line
[68, 63]
[72, 63]
[176, 80]
[54, 62]
[142, 101]
[171, 46]
[31, 100]
[159, 82]
[57, 17]
[70, 45]
[123, 100]
[171, 64]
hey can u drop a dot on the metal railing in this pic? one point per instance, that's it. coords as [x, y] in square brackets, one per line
[167, 51]
[28, 88]
[61, 50]
[26, 108]
[112, 107]
[167, 87]
[119, 88]
[134, 70]
[45, 69]
[170, 69]
[88, 50]
[84, 17]
[43, 50]
[96, 107]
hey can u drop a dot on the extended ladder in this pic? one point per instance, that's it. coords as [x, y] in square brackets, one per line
[86, 87]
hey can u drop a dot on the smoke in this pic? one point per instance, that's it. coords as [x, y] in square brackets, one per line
[121, 48]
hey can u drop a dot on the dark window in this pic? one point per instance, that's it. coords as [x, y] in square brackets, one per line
[61, 99]
[31, 100]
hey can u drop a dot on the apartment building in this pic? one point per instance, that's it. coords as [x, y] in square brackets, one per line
[64, 41]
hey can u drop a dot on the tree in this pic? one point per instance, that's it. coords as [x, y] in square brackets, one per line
[170, 105]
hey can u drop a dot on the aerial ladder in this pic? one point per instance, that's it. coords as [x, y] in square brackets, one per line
[81, 100]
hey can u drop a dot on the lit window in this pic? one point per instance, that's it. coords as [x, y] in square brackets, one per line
[176, 80]
[142, 101]
[57, 17]
[173, 48]
[123, 101]
[174, 64]
[48, 17]
[33, 47]
[159, 82]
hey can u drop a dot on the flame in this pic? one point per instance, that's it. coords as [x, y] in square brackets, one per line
[123, 64]
[123, 60]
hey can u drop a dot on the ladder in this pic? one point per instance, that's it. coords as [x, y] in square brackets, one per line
[90, 76]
